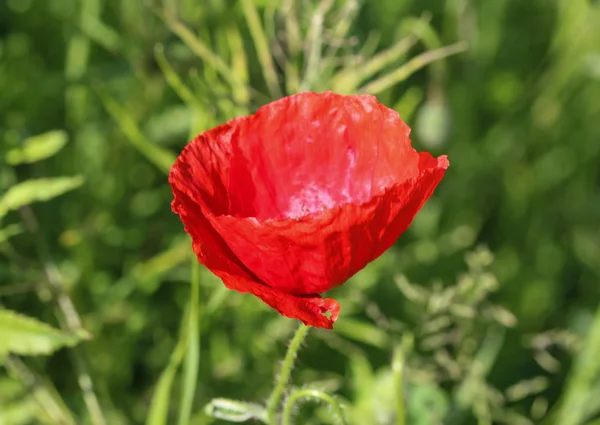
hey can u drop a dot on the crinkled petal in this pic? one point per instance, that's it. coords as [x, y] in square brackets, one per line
[318, 251]
[212, 251]
[202, 169]
[310, 152]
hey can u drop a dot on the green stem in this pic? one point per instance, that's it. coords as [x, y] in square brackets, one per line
[70, 319]
[284, 374]
[42, 391]
[315, 395]
[398, 371]
[192, 356]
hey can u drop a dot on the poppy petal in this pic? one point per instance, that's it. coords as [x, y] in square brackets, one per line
[212, 251]
[311, 151]
[318, 251]
[202, 169]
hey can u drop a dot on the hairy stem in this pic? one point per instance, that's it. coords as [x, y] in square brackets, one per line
[284, 374]
[315, 395]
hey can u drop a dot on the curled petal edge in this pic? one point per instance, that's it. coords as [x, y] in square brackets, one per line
[309, 309]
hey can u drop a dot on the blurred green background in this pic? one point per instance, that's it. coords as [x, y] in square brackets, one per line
[486, 309]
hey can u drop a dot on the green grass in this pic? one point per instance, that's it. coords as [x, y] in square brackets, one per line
[485, 311]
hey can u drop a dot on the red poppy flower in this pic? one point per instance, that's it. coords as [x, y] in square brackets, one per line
[295, 199]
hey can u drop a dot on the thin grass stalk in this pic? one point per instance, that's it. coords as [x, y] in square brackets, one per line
[410, 67]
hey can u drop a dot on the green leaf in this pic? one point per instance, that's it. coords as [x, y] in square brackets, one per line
[362, 331]
[37, 148]
[36, 190]
[427, 404]
[234, 410]
[9, 231]
[19, 412]
[24, 335]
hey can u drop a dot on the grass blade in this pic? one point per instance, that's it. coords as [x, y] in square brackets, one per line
[41, 391]
[348, 79]
[580, 385]
[239, 60]
[192, 356]
[161, 399]
[262, 47]
[398, 364]
[162, 158]
[315, 45]
[239, 90]
[184, 93]
[200, 119]
[412, 66]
